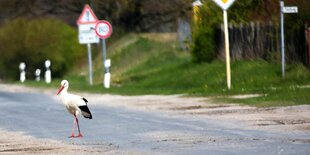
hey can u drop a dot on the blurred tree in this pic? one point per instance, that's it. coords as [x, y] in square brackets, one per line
[33, 42]
[131, 15]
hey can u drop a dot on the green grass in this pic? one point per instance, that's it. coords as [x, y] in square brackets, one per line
[149, 67]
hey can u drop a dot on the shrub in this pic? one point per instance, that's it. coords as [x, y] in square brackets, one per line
[33, 42]
[203, 48]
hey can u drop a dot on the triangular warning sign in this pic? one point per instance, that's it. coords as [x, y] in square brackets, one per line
[87, 16]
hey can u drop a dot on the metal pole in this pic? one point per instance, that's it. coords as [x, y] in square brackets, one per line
[282, 38]
[90, 65]
[227, 49]
[104, 55]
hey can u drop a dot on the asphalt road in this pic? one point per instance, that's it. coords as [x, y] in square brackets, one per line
[42, 116]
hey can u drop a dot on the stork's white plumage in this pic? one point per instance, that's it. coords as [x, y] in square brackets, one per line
[75, 105]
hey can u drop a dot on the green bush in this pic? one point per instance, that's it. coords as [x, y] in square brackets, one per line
[33, 42]
[203, 48]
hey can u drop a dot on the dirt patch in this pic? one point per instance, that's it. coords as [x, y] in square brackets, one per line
[160, 37]
[247, 96]
[18, 143]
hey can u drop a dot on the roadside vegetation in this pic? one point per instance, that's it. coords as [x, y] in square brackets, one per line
[33, 42]
[144, 63]
[145, 66]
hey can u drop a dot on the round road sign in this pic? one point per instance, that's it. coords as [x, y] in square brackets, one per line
[103, 29]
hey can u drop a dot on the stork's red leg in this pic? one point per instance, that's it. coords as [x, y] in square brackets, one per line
[74, 124]
[77, 122]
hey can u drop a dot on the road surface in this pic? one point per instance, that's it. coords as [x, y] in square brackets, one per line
[127, 131]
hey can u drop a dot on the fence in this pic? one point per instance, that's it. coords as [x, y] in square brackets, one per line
[262, 41]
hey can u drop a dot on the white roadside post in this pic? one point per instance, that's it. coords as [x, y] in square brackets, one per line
[48, 74]
[225, 4]
[107, 75]
[37, 73]
[104, 30]
[284, 9]
[22, 67]
[87, 34]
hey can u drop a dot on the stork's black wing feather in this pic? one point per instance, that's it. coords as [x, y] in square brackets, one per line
[85, 111]
[84, 99]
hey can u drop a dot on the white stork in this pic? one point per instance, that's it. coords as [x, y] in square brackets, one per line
[75, 105]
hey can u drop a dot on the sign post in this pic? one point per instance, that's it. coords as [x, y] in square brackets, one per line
[87, 35]
[225, 4]
[227, 52]
[291, 9]
[90, 64]
[104, 30]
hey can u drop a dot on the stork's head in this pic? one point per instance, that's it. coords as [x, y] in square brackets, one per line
[64, 85]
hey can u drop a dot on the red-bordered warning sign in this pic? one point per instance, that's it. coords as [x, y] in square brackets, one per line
[87, 16]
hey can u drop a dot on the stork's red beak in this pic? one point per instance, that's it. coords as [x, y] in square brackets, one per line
[60, 89]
